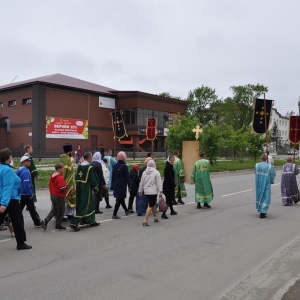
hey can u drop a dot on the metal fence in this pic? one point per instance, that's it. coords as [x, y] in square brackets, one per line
[41, 152]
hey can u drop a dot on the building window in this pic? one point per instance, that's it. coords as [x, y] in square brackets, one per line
[1, 104]
[129, 116]
[12, 103]
[26, 101]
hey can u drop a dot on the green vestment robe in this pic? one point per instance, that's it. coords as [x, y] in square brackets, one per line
[69, 179]
[86, 182]
[203, 188]
[179, 173]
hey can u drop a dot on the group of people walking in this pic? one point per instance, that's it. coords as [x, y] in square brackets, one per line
[78, 197]
[264, 177]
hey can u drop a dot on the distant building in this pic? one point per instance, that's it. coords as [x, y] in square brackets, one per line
[282, 126]
[79, 111]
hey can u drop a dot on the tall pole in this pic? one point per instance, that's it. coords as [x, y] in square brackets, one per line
[266, 128]
[115, 138]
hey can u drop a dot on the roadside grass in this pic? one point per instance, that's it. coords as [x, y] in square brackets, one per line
[219, 166]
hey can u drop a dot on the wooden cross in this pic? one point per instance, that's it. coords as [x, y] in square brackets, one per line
[197, 130]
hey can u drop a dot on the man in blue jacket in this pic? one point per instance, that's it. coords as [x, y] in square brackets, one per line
[27, 190]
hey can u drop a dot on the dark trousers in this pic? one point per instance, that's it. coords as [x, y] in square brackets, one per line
[17, 220]
[169, 199]
[26, 200]
[58, 209]
[131, 199]
[120, 201]
[105, 196]
[98, 199]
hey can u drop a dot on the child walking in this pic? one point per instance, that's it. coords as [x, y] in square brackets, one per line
[134, 185]
[57, 187]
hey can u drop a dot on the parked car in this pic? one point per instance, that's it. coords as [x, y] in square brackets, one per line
[291, 152]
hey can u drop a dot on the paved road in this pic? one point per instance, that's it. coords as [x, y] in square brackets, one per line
[226, 252]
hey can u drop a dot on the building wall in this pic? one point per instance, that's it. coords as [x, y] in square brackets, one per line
[77, 105]
[283, 125]
[28, 121]
[20, 116]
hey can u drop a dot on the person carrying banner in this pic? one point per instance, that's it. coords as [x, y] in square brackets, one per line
[289, 187]
[69, 179]
[264, 177]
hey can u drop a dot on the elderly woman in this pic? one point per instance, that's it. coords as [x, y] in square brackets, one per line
[120, 181]
[151, 185]
[10, 198]
[97, 166]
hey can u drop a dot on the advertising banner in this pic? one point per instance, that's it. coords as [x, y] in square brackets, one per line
[64, 128]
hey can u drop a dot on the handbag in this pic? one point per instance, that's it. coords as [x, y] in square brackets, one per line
[162, 204]
[112, 184]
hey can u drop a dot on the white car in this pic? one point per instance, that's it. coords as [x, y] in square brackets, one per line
[291, 152]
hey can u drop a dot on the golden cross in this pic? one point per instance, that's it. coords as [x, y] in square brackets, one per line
[80, 174]
[262, 114]
[197, 130]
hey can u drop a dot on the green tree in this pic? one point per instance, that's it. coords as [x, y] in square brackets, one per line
[180, 131]
[168, 95]
[238, 141]
[274, 134]
[237, 110]
[256, 143]
[211, 142]
[199, 103]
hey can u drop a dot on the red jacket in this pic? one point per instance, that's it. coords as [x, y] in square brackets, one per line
[57, 185]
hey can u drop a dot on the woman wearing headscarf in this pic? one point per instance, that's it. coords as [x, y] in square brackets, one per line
[120, 181]
[10, 198]
[151, 185]
[169, 186]
[97, 166]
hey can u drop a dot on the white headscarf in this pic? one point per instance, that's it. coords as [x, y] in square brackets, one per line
[151, 164]
[97, 157]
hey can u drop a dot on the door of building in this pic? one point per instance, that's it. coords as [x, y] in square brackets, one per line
[94, 142]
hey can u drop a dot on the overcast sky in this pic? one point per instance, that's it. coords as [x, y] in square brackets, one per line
[157, 46]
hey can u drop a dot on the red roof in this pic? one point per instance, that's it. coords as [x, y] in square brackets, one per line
[62, 80]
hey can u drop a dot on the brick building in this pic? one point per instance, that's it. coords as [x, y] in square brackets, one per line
[25, 106]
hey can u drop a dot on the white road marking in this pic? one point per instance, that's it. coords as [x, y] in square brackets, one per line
[237, 193]
[5, 240]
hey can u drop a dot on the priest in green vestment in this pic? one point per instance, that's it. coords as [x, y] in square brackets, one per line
[69, 179]
[86, 182]
[203, 187]
[180, 191]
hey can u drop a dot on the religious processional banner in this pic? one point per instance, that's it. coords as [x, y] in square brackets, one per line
[294, 130]
[64, 128]
[261, 115]
[118, 125]
[151, 129]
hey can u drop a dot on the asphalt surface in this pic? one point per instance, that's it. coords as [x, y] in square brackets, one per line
[225, 252]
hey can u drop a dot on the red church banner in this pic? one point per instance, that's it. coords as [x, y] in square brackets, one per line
[151, 129]
[294, 130]
[64, 128]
